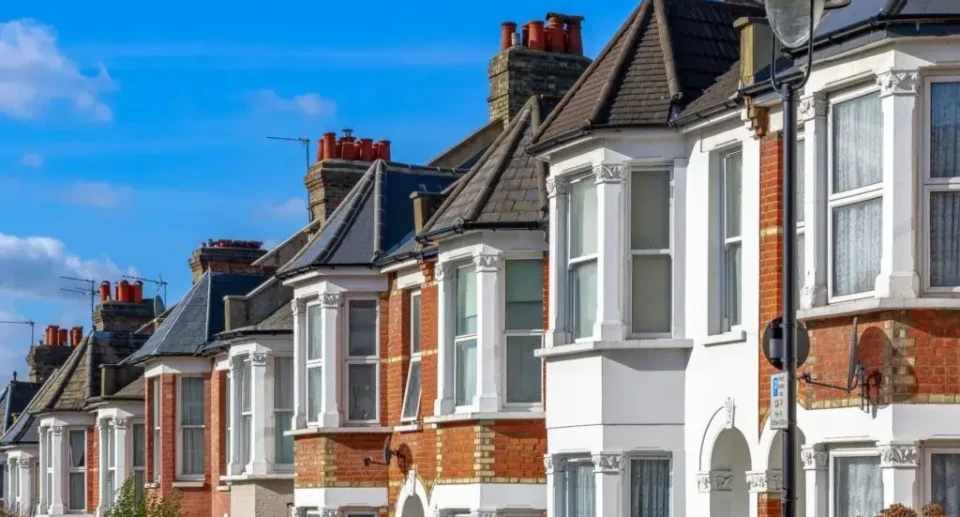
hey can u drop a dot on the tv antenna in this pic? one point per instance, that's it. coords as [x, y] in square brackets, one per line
[32, 324]
[159, 282]
[303, 140]
[89, 289]
[856, 372]
[388, 454]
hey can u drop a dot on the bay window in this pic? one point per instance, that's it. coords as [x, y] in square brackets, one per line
[411, 397]
[283, 409]
[77, 469]
[139, 459]
[652, 262]
[649, 487]
[156, 429]
[362, 359]
[856, 197]
[731, 189]
[857, 486]
[314, 363]
[582, 256]
[579, 487]
[944, 484]
[942, 187]
[524, 330]
[465, 340]
[191, 427]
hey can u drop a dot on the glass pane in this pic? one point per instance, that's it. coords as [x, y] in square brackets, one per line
[466, 301]
[363, 328]
[856, 246]
[191, 391]
[78, 491]
[524, 310]
[801, 162]
[108, 489]
[579, 484]
[314, 393]
[858, 488]
[583, 297]
[945, 239]
[139, 445]
[411, 399]
[362, 384]
[283, 383]
[857, 141]
[732, 193]
[944, 134]
[466, 372]
[523, 369]
[156, 455]
[246, 389]
[246, 432]
[652, 297]
[139, 479]
[801, 268]
[191, 457]
[731, 285]
[111, 446]
[415, 323]
[78, 448]
[650, 488]
[156, 402]
[583, 218]
[650, 210]
[314, 331]
[283, 445]
[945, 482]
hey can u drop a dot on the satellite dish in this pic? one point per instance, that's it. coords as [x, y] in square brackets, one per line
[158, 306]
[853, 366]
[772, 343]
[387, 453]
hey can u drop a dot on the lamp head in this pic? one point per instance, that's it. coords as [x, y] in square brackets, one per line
[790, 19]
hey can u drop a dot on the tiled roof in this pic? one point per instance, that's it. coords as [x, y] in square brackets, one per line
[14, 399]
[135, 390]
[659, 63]
[505, 188]
[198, 317]
[374, 218]
[24, 429]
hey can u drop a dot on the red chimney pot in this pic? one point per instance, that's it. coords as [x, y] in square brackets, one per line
[328, 146]
[348, 151]
[555, 35]
[525, 35]
[76, 335]
[104, 291]
[123, 291]
[574, 37]
[366, 150]
[507, 30]
[137, 292]
[62, 339]
[383, 150]
[537, 41]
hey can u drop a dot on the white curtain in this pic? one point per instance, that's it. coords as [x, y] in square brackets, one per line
[314, 393]
[945, 130]
[466, 371]
[466, 301]
[579, 499]
[583, 218]
[859, 486]
[650, 488]
[857, 143]
[945, 163]
[945, 239]
[856, 246]
[945, 482]
[314, 332]
[583, 298]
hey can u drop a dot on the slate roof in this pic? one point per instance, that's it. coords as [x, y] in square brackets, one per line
[136, 390]
[14, 400]
[659, 62]
[373, 219]
[198, 317]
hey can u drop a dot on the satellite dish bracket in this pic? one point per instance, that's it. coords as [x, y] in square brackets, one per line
[856, 374]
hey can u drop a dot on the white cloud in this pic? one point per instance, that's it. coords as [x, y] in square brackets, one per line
[292, 208]
[31, 160]
[31, 267]
[307, 104]
[96, 194]
[34, 74]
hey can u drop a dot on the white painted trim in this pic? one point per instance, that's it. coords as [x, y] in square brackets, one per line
[590, 346]
[409, 279]
[859, 306]
[177, 366]
[368, 497]
[371, 360]
[501, 415]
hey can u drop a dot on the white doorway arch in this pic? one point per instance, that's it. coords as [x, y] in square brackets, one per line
[412, 500]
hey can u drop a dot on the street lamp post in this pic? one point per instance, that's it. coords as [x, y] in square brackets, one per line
[793, 23]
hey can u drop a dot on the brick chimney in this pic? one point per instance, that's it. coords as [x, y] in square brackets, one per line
[225, 255]
[543, 59]
[340, 164]
[48, 355]
[126, 312]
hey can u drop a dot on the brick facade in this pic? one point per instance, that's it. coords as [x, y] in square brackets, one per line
[93, 468]
[217, 387]
[518, 73]
[771, 253]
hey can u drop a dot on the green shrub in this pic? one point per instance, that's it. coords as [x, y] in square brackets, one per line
[129, 505]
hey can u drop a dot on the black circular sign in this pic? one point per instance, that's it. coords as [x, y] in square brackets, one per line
[772, 343]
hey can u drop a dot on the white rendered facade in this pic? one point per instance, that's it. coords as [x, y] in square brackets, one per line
[122, 451]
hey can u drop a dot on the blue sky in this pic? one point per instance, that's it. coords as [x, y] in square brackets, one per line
[128, 136]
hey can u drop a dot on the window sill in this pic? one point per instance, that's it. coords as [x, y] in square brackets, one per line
[223, 488]
[727, 338]
[188, 484]
[500, 415]
[311, 430]
[411, 427]
[861, 306]
[601, 346]
[257, 477]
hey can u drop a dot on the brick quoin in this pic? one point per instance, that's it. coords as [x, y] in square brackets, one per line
[220, 500]
[93, 469]
[771, 253]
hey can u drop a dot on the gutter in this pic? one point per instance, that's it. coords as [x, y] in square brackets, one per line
[466, 226]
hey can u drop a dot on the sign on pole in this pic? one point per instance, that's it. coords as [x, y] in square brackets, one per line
[778, 401]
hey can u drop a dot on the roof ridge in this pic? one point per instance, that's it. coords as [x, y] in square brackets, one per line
[512, 141]
[623, 59]
[666, 46]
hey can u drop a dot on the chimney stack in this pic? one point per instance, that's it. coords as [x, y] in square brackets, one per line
[46, 356]
[225, 255]
[425, 204]
[755, 40]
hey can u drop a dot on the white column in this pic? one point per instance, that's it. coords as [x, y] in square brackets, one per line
[554, 465]
[58, 490]
[817, 477]
[557, 332]
[607, 471]
[299, 362]
[898, 265]
[610, 277]
[103, 427]
[123, 451]
[898, 467]
[329, 316]
[813, 111]
[258, 368]
[44, 489]
[25, 471]
[444, 274]
[489, 332]
[234, 467]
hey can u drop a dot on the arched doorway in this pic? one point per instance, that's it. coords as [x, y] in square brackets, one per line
[731, 457]
[413, 507]
[775, 463]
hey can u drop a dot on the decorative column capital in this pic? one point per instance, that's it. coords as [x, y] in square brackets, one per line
[329, 512]
[258, 359]
[487, 262]
[444, 271]
[813, 106]
[814, 457]
[609, 173]
[553, 463]
[23, 463]
[898, 82]
[119, 423]
[102, 423]
[484, 513]
[715, 481]
[330, 300]
[607, 463]
[297, 306]
[57, 430]
[556, 187]
[765, 481]
[899, 455]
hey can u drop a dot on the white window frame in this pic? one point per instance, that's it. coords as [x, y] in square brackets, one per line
[245, 363]
[181, 427]
[156, 450]
[277, 411]
[110, 433]
[309, 364]
[76, 470]
[832, 482]
[723, 242]
[460, 338]
[349, 360]
[134, 468]
[850, 197]
[573, 262]
[415, 358]
[48, 469]
[669, 252]
[628, 459]
[801, 223]
[507, 334]
[561, 482]
[930, 185]
[13, 487]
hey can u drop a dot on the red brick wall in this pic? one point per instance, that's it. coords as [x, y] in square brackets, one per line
[771, 252]
[220, 501]
[93, 469]
[768, 505]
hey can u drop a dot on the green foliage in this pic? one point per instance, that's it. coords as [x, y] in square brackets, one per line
[899, 510]
[128, 505]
